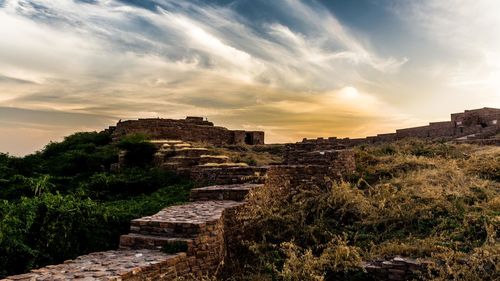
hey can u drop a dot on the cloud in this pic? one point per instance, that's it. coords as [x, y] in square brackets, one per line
[466, 41]
[175, 58]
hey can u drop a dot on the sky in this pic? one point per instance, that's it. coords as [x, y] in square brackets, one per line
[292, 68]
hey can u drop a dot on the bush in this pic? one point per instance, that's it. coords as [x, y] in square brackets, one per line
[51, 228]
[485, 165]
[65, 202]
[441, 205]
[139, 151]
[127, 183]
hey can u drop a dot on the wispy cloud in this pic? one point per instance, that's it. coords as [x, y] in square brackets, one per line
[466, 36]
[172, 58]
[286, 70]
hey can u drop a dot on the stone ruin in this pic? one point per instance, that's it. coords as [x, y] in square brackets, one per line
[480, 126]
[193, 239]
[203, 165]
[191, 129]
[396, 269]
[185, 241]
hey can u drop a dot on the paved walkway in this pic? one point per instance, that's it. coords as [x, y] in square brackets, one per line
[177, 241]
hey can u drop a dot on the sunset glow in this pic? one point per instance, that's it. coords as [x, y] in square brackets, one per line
[292, 68]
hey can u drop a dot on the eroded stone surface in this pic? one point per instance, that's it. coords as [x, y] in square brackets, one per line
[112, 265]
[191, 213]
[235, 192]
[395, 269]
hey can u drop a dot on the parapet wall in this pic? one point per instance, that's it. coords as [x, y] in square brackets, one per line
[192, 129]
[330, 160]
[476, 124]
[186, 241]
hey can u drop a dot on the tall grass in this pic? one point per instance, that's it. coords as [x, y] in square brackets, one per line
[432, 201]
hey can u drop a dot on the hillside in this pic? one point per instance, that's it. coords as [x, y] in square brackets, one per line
[428, 201]
[65, 201]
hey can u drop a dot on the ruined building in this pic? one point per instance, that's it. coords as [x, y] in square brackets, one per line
[478, 124]
[191, 129]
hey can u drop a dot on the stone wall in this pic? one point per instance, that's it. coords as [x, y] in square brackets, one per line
[124, 265]
[396, 269]
[192, 129]
[185, 241]
[213, 175]
[332, 159]
[476, 124]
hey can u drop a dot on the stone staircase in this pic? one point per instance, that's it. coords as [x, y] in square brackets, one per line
[203, 165]
[175, 154]
[179, 241]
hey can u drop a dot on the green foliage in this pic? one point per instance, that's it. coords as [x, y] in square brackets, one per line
[46, 229]
[129, 182]
[65, 201]
[52, 227]
[139, 151]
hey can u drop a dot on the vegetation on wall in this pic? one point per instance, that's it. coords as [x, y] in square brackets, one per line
[65, 200]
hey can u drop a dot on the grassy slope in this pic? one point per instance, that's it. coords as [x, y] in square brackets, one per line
[424, 200]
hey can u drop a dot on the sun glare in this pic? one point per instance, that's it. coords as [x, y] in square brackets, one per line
[349, 92]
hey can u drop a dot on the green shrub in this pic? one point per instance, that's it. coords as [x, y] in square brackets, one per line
[51, 228]
[139, 151]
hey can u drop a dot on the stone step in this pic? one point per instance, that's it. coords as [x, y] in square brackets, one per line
[218, 159]
[166, 244]
[184, 221]
[187, 161]
[171, 147]
[172, 166]
[223, 174]
[113, 266]
[234, 192]
[192, 151]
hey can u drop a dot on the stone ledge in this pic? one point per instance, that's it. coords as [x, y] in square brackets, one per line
[191, 213]
[112, 266]
[234, 192]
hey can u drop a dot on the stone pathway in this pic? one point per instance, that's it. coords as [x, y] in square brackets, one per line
[110, 265]
[176, 242]
[235, 192]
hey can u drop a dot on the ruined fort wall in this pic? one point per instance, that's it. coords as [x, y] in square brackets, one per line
[193, 129]
[175, 129]
[479, 123]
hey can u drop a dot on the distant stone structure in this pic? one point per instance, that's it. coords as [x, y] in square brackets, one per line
[191, 129]
[471, 125]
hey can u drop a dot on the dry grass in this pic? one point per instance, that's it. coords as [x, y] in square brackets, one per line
[423, 200]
